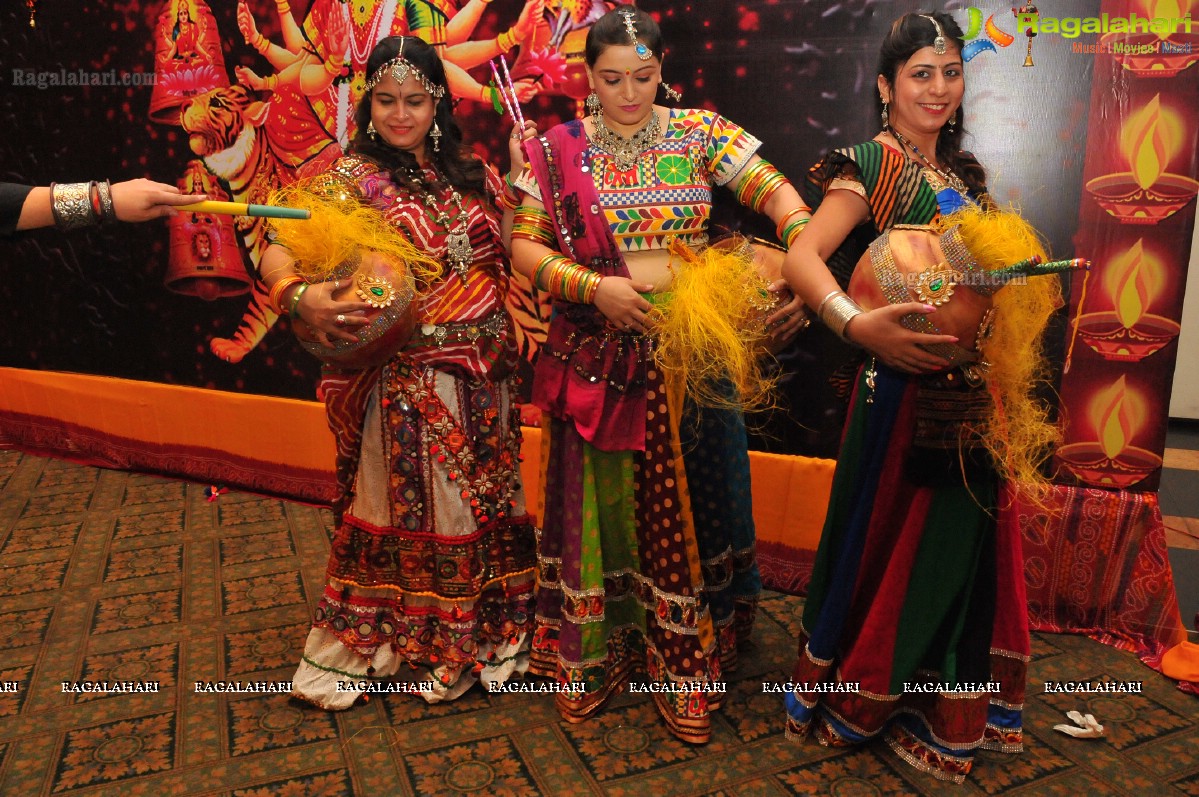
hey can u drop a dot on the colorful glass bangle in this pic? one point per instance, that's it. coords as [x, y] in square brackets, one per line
[758, 184]
[782, 225]
[506, 201]
[564, 279]
[792, 231]
[94, 197]
[533, 224]
[275, 297]
[543, 267]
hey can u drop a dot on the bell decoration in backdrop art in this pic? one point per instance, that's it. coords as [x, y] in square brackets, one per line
[188, 60]
[205, 259]
[357, 255]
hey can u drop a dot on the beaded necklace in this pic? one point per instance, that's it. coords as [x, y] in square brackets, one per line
[459, 252]
[625, 151]
[947, 177]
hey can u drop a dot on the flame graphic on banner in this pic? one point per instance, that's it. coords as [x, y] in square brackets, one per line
[1134, 280]
[1150, 138]
[1112, 412]
[1167, 9]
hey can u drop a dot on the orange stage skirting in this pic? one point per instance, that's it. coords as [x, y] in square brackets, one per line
[283, 447]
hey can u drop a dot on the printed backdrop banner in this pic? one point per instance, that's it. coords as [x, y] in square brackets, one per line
[1136, 218]
[1093, 135]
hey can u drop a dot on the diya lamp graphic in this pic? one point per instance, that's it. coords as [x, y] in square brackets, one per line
[1159, 54]
[1129, 332]
[1117, 414]
[1148, 193]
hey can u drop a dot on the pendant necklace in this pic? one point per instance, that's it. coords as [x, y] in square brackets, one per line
[626, 151]
[459, 253]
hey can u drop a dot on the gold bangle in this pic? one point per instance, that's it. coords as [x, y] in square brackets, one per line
[281, 286]
[293, 306]
[333, 69]
[511, 37]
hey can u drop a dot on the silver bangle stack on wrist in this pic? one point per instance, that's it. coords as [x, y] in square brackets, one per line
[76, 205]
[836, 310]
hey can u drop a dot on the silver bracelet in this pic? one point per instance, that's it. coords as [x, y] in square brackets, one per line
[108, 211]
[837, 310]
[71, 204]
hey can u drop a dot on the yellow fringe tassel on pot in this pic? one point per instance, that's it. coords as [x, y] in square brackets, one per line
[341, 229]
[1019, 432]
[705, 338]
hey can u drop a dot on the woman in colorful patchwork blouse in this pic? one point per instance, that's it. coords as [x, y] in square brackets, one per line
[431, 574]
[646, 558]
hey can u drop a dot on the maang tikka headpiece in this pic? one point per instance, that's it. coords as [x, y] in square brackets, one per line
[630, 25]
[401, 69]
[939, 41]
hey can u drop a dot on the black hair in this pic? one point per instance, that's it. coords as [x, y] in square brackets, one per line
[913, 32]
[457, 164]
[610, 30]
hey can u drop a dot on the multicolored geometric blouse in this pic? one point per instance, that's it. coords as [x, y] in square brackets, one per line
[668, 192]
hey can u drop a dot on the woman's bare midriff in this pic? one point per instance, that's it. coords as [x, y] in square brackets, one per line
[650, 267]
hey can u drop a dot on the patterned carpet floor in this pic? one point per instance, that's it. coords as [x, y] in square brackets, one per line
[122, 578]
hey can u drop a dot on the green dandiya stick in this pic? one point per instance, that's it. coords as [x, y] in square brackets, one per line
[245, 209]
[1033, 267]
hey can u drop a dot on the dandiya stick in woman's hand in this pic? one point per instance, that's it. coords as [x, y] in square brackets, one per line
[499, 84]
[244, 209]
[518, 116]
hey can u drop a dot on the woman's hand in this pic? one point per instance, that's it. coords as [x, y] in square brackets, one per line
[787, 321]
[880, 332]
[621, 302]
[328, 318]
[516, 150]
